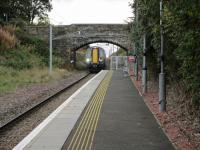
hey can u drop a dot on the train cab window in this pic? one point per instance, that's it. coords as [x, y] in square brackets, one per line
[88, 54]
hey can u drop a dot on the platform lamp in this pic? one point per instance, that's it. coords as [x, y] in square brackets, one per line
[162, 88]
[136, 44]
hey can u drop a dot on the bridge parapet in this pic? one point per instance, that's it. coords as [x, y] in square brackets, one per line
[77, 35]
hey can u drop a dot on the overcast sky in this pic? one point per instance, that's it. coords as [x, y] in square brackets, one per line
[90, 11]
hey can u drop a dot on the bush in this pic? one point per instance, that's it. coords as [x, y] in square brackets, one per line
[7, 40]
[40, 48]
[10, 28]
[181, 41]
[19, 22]
[20, 59]
[25, 51]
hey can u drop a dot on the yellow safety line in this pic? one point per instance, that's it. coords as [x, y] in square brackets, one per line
[79, 129]
[92, 128]
[87, 113]
[90, 147]
[95, 115]
[90, 107]
[90, 118]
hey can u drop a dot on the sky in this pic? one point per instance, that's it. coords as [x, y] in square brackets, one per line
[109, 48]
[67, 12]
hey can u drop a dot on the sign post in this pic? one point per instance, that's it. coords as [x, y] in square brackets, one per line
[131, 61]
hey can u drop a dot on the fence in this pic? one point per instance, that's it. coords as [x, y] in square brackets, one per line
[125, 63]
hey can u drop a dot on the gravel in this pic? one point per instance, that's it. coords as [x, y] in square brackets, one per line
[25, 98]
[13, 104]
[170, 121]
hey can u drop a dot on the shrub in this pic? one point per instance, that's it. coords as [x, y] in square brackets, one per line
[10, 28]
[40, 47]
[7, 40]
[20, 59]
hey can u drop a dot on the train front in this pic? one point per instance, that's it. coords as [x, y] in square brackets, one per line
[95, 59]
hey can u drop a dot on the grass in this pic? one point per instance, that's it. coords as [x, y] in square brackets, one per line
[7, 40]
[11, 79]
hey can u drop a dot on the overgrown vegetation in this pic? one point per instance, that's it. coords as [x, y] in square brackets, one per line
[182, 43]
[23, 10]
[21, 54]
[12, 79]
[80, 56]
[119, 52]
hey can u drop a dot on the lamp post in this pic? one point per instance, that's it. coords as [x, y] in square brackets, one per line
[135, 47]
[50, 49]
[144, 68]
[162, 89]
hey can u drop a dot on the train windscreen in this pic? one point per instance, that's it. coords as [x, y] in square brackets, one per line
[95, 55]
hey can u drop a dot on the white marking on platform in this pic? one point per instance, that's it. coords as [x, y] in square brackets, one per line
[60, 111]
[140, 93]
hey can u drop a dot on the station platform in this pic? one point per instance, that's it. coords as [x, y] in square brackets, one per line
[107, 113]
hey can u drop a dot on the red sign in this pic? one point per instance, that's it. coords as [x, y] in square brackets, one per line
[131, 58]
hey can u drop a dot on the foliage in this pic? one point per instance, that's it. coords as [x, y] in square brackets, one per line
[27, 10]
[43, 21]
[7, 38]
[39, 47]
[181, 36]
[19, 59]
[28, 53]
[12, 79]
[80, 59]
[120, 52]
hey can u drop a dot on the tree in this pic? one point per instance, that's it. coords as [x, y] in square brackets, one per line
[182, 43]
[37, 8]
[27, 10]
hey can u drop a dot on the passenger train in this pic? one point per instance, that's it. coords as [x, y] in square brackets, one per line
[95, 59]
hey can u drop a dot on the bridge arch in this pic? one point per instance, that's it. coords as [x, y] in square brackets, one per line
[67, 39]
[100, 41]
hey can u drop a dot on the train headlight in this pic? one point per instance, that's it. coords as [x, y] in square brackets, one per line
[87, 60]
[100, 59]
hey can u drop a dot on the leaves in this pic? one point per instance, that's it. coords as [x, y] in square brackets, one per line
[181, 22]
[27, 10]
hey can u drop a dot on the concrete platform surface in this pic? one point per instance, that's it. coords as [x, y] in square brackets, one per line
[124, 123]
[122, 119]
[54, 130]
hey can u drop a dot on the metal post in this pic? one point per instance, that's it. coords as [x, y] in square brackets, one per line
[74, 58]
[113, 49]
[135, 64]
[135, 48]
[50, 49]
[116, 58]
[6, 15]
[144, 69]
[111, 63]
[162, 89]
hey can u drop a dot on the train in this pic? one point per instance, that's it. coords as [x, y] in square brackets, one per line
[95, 59]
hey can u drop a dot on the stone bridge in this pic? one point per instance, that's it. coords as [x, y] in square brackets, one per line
[72, 37]
[77, 35]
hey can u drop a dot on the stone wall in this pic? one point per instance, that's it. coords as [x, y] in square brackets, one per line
[77, 35]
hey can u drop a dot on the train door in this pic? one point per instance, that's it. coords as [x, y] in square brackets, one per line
[95, 57]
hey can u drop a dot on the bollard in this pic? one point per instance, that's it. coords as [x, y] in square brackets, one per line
[144, 81]
[162, 93]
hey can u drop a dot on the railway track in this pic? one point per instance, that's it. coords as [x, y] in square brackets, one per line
[40, 104]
